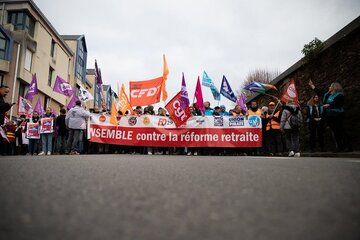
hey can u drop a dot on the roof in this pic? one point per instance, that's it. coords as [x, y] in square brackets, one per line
[71, 37]
[90, 71]
[47, 22]
[328, 43]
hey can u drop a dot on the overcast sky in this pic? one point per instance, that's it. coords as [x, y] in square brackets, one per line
[230, 37]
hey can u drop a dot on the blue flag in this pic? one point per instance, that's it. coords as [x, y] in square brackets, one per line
[208, 82]
[226, 90]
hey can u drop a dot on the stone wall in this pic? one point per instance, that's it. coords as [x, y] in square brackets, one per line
[338, 63]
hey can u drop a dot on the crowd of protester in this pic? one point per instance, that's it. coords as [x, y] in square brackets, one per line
[280, 128]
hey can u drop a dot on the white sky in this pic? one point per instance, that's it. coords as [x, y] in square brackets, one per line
[230, 37]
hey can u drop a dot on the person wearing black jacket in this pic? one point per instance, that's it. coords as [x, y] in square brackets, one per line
[62, 132]
[334, 113]
[4, 107]
[315, 121]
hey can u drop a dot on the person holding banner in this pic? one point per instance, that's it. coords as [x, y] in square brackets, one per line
[46, 132]
[32, 130]
[21, 141]
[273, 134]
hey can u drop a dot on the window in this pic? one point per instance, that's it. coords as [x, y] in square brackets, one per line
[28, 60]
[52, 51]
[3, 45]
[22, 21]
[50, 77]
[22, 89]
[46, 102]
[80, 69]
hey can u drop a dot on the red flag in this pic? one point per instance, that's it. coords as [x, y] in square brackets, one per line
[145, 92]
[199, 97]
[177, 114]
[290, 93]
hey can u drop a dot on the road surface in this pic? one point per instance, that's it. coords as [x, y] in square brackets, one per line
[178, 197]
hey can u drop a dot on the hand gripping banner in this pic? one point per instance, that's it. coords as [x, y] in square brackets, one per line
[158, 131]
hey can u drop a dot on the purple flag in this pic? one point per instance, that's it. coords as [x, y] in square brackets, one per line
[199, 97]
[241, 102]
[72, 102]
[33, 89]
[63, 87]
[98, 79]
[38, 108]
[184, 101]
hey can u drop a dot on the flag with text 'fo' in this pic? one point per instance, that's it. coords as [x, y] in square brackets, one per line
[33, 89]
[38, 107]
[178, 114]
[290, 93]
[199, 96]
[208, 82]
[63, 87]
[226, 90]
[259, 87]
[184, 94]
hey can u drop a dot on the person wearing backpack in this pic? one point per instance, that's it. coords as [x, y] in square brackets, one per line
[290, 123]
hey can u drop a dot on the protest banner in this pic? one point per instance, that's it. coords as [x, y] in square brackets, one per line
[199, 131]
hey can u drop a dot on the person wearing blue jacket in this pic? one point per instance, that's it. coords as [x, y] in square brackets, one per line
[334, 113]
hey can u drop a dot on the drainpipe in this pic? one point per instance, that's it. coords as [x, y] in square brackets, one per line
[2, 14]
[15, 78]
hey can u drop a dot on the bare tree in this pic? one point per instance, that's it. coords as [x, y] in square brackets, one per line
[258, 75]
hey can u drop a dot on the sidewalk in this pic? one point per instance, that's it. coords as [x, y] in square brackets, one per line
[354, 154]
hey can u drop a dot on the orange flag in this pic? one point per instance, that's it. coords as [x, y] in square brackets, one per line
[123, 103]
[145, 92]
[165, 73]
[113, 119]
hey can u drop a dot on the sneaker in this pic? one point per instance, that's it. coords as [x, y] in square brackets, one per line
[41, 153]
[48, 153]
[195, 153]
[149, 153]
[297, 154]
[189, 154]
[291, 153]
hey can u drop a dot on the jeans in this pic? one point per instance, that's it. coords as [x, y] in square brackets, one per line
[46, 142]
[292, 137]
[60, 144]
[33, 146]
[73, 140]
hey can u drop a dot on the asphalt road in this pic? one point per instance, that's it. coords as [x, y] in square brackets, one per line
[178, 197]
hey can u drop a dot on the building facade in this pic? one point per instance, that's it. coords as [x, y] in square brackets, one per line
[29, 44]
